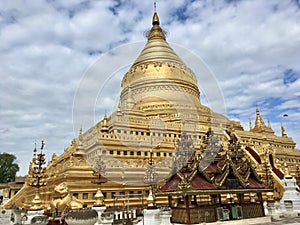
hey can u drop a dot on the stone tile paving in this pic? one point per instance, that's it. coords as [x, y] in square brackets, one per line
[290, 221]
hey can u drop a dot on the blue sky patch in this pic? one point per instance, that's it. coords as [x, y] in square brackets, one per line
[290, 76]
[9, 17]
[181, 14]
[114, 9]
[297, 3]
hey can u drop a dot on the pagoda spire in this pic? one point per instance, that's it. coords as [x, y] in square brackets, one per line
[260, 125]
[104, 127]
[79, 151]
[269, 124]
[259, 122]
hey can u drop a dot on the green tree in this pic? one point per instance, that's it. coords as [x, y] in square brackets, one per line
[8, 167]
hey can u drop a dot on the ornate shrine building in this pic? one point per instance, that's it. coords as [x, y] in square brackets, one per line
[220, 184]
[159, 107]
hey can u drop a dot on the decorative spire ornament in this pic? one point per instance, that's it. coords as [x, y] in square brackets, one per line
[155, 20]
[38, 177]
[283, 133]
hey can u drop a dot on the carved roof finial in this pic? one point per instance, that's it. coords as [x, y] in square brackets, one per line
[43, 144]
[104, 123]
[80, 138]
[269, 124]
[283, 133]
[34, 153]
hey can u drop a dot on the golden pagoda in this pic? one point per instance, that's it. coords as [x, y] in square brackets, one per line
[159, 101]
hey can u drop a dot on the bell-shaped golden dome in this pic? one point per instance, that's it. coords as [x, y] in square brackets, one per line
[158, 73]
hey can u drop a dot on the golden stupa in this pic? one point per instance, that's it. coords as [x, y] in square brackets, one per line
[159, 101]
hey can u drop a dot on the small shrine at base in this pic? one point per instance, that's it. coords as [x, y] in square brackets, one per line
[291, 198]
[221, 185]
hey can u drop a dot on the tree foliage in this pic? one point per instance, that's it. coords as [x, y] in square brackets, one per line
[8, 167]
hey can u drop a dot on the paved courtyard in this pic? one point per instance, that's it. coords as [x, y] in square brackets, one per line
[258, 221]
[291, 221]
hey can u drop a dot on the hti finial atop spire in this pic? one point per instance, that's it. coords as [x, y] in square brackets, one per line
[155, 20]
[257, 111]
[43, 144]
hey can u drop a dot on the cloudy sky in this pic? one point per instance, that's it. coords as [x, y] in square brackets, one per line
[47, 46]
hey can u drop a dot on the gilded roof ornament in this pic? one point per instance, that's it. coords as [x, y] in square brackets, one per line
[104, 126]
[259, 122]
[79, 146]
[260, 125]
[269, 124]
[80, 138]
[283, 133]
